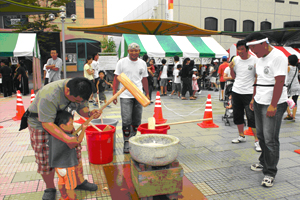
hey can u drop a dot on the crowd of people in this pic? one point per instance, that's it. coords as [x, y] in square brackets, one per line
[261, 88]
[14, 78]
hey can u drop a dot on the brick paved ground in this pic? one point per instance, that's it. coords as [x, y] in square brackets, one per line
[218, 168]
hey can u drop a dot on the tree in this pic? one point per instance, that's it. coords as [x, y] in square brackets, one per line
[108, 45]
[41, 25]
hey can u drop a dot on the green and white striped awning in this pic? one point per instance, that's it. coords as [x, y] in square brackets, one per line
[158, 46]
[19, 44]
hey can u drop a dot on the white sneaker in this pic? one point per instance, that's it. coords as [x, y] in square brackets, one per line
[200, 92]
[257, 146]
[267, 181]
[239, 139]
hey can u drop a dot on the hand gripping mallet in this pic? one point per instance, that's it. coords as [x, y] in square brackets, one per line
[152, 125]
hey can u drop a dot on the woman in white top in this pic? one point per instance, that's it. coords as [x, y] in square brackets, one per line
[295, 86]
[89, 74]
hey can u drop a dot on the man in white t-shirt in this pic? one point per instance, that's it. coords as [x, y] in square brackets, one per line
[95, 66]
[177, 80]
[54, 64]
[243, 71]
[163, 76]
[46, 75]
[268, 102]
[131, 109]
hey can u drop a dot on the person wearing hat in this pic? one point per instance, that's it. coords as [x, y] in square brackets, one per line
[131, 110]
[222, 67]
[214, 74]
[269, 102]
[5, 73]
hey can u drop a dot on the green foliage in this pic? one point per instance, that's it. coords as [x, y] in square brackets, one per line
[41, 24]
[108, 45]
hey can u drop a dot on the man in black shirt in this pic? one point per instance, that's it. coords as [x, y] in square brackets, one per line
[5, 72]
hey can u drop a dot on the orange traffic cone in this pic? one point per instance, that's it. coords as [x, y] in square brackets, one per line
[157, 111]
[32, 96]
[20, 107]
[1, 126]
[249, 132]
[297, 151]
[208, 114]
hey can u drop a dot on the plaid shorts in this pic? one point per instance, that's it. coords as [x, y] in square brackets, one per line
[39, 142]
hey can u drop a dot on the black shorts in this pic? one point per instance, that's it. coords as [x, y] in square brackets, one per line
[222, 85]
[295, 99]
[240, 102]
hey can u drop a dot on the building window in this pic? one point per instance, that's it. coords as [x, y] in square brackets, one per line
[265, 25]
[293, 2]
[230, 25]
[279, 1]
[211, 23]
[248, 25]
[89, 9]
[71, 8]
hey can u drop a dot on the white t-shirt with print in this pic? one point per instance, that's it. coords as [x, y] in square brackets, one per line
[164, 73]
[135, 70]
[244, 75]
[175, 74]
[267, 68]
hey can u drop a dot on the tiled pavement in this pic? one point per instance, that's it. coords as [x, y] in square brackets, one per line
[218, 168]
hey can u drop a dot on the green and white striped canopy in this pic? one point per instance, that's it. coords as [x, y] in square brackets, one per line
[19, 44]
[158, 46]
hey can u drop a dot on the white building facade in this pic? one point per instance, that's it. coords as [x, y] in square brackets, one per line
[223, 15]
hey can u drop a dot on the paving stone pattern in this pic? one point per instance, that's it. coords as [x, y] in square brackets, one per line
[218, 168]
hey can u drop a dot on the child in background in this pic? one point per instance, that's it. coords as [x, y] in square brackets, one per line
[64, 159]
[101, 87]
[194, 82]
[177, 81]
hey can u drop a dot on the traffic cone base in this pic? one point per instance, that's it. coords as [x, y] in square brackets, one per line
[249, 132]
[208, 114]
[20, 107]
[158, 111]
[32, 96]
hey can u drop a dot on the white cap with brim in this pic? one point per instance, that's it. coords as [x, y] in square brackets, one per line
[216, 60]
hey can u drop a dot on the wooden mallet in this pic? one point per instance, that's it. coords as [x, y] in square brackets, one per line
[152, 125]
[131, 87]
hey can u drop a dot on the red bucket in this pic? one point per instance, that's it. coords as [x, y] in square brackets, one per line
[143, 128]
[100, 144]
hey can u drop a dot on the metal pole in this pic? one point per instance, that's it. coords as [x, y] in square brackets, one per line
[63, 47]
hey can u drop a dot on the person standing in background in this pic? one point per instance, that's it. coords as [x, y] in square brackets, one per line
[54, 64]
[6, 72]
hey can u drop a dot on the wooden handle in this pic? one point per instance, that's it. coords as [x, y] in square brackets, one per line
[113, 98]
[184, 122]
[90, 123]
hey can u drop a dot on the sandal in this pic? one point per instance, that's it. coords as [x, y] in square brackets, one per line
[183, 98]
[268, 181]
[192, 98]
[85, 185]
[49, 194]
[288, 118]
